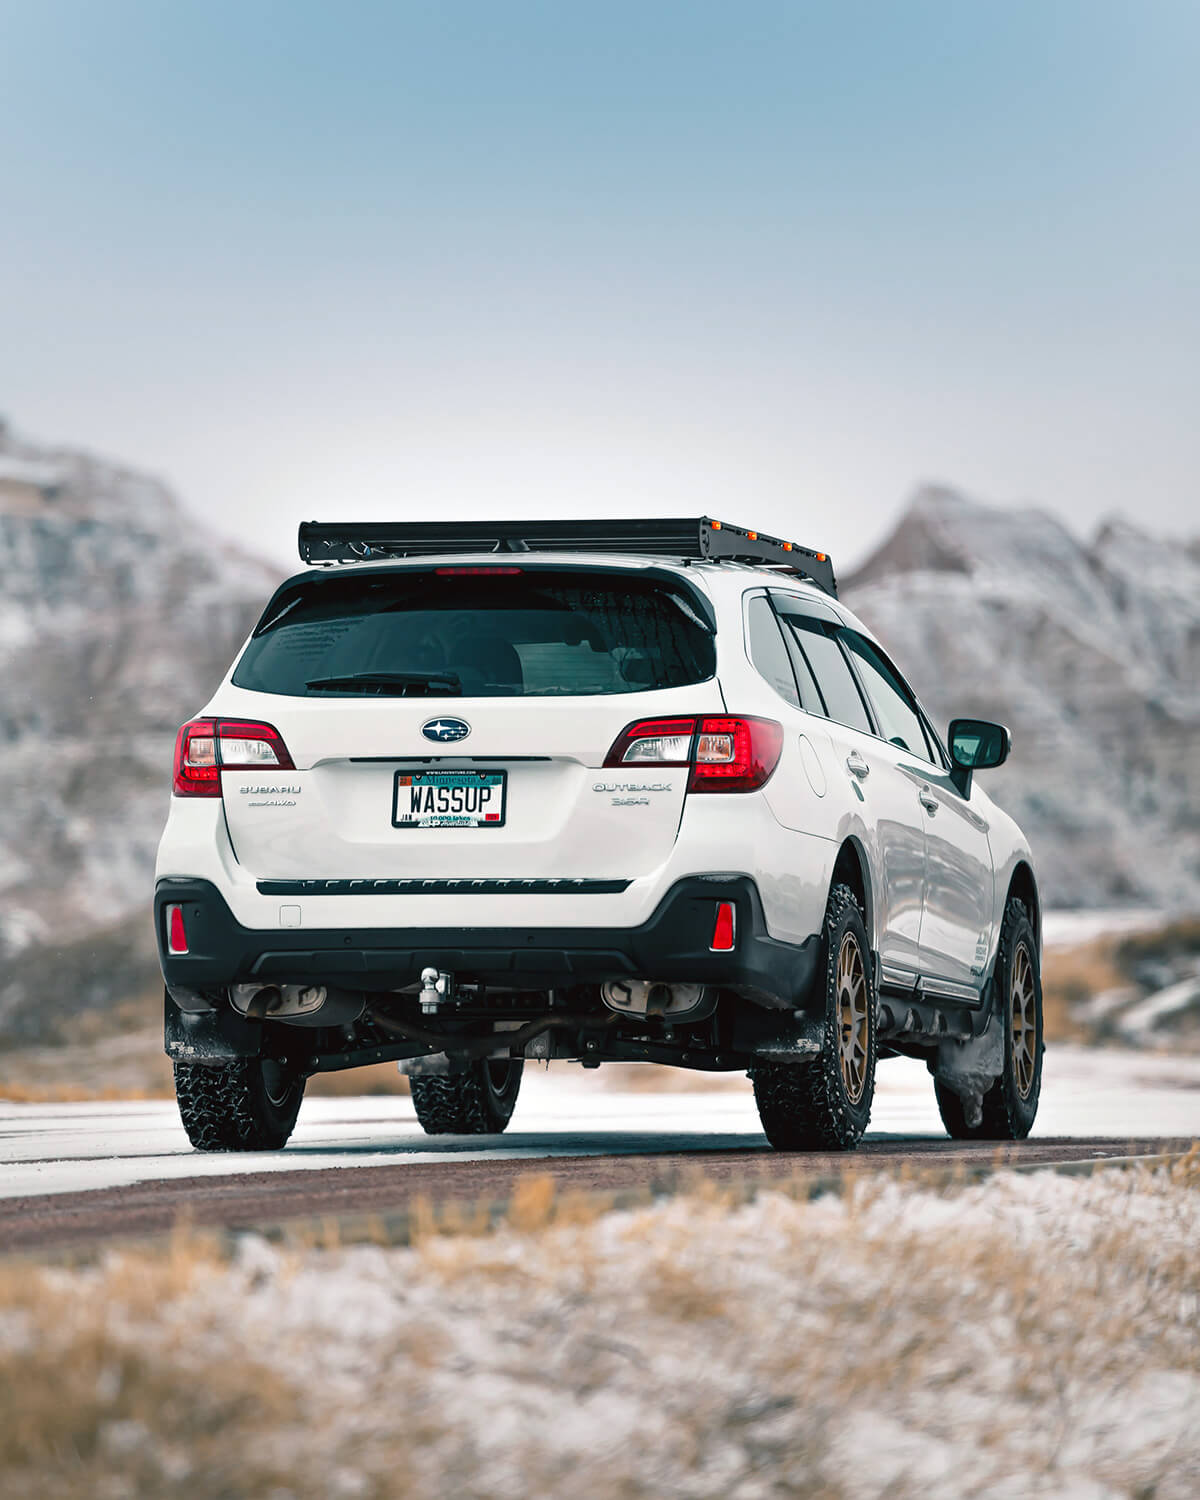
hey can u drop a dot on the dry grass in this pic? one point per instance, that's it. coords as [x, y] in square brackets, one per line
[1179, 939]
[1070, 978]
[106, 1393]
[1033, 1336]
[126, 1064]
[1073, 979]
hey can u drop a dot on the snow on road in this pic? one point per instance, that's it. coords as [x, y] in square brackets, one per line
[64, 1148]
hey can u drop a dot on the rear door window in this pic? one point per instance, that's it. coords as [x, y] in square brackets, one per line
[535, 633]
[818, 653]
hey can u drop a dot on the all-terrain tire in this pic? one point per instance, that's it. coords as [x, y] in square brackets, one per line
[478, 1101]
[824, 1102]
[247, 1105]
[1010, 1105]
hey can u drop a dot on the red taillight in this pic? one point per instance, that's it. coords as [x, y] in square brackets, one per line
[475, 572]
[206, 747]
[735, 755]
[196, 773]
[722, 938]
[176, 932]
[725, 754]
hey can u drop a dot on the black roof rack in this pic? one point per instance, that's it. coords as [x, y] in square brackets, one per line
[698, 539]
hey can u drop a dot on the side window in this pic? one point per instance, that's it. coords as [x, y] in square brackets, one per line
[822, 659]
[939, 756]
[768, 652]
[810, 693]
[895, 712]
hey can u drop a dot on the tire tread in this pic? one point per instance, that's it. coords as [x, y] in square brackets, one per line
[457, 1104]
[222, 1108]
[800, 1104]
[1004, 1119]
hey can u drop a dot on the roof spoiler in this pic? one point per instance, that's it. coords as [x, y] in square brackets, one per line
[700, 540]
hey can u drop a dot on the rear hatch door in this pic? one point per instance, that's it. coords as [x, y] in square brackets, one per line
[453, 723]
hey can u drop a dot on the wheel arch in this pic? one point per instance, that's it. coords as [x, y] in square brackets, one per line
[1023, 887]
[852, 868]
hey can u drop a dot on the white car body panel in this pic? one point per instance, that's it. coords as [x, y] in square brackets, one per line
[566, 817]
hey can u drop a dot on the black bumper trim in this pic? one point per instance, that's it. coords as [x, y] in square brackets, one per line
[419, 887]
[672, 945]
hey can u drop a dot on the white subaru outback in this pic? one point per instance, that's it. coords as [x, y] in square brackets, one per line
[474, 794]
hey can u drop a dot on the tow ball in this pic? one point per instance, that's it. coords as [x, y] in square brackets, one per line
[437, 989]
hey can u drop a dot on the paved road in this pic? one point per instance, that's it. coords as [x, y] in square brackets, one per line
[71, 1171]
[260, 1200]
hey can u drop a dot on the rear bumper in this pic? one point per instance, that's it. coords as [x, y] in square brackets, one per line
[672, 945]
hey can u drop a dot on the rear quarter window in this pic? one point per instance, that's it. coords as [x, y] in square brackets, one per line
[768, 651]
[531, 634]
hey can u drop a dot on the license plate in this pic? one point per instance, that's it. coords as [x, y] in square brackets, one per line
[449, 799]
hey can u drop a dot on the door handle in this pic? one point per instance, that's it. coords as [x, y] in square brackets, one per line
[928, 801]
[857, 766]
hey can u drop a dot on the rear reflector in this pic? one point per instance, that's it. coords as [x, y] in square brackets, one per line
[206, 747]
[176, 932]
[722, 938]
[734, 754]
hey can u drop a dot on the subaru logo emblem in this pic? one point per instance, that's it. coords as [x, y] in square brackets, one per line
[445, 731]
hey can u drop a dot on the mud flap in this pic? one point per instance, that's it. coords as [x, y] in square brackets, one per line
[210, 1036]
[970, 1067]
[430, 1065]
[781, 1036]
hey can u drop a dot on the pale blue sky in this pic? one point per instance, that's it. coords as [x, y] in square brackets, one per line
[777, 262]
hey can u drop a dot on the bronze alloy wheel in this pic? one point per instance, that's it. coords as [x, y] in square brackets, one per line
[823, 1101]
[852, 1001]
[1023, 1013]
[1009, 1107]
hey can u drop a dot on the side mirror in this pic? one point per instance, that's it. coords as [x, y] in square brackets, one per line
[976, 745]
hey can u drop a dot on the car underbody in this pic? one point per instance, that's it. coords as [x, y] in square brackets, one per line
[438, 1001]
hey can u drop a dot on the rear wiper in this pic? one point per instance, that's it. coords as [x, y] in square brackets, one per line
[275, 618]
[436, 684]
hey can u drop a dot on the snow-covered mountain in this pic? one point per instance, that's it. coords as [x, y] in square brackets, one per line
[119, 613]
[1089, 651]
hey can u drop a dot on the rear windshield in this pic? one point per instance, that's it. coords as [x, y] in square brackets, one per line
[533, 634]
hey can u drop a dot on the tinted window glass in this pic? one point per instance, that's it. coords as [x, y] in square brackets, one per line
[533, 634]
[938, 755]
[810, 694]
[823, 656]
[768, 652]
[895, 712]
